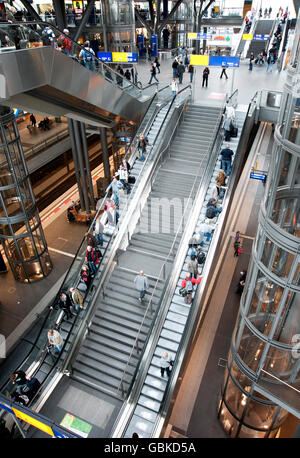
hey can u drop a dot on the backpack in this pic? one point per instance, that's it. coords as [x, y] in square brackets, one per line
[210, 212]
[189, 286]
[183, 292]
[201, 257]
[211, 201]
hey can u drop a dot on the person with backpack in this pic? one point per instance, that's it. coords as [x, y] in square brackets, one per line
[200, 255]
[64, 43]
[212, 210]
[86, 54]
[192, 266]
[187, 287]
[85, 276]
[19, 378]
[141, 284]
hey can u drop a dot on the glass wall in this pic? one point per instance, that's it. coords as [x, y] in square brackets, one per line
[21, 232]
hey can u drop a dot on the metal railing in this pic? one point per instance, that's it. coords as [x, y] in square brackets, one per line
[71, 278]
[161, 275]
[29, 31]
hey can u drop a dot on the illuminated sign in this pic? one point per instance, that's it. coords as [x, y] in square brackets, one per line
[215, 61]
[261, 37]
[32, 421]
[258, 176]
[199, 36]
[247, 36]
[118, 56]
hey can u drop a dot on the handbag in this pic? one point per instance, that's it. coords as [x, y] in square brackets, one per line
[183, 292]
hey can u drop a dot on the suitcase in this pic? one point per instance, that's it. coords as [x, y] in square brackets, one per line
[131, 180]
[234, 132]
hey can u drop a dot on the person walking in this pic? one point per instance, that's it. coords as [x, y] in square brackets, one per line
[149, 53]
[212, 210]
[205, 76]
[223, 72]
[237, 248]
[157, 64]
[174, 87]
[191, 72]
[91, 240]
[55, 340]
[141, 284]
[77, 299]
[251, 59]
[127, 74]
[192, 266]
[269, 63]
[180, 72]
[165, 364]
[153, 74]
[19, 378]
[32, 120]
[123, 177]
[186, 61]
[175, 67]
[226, 155]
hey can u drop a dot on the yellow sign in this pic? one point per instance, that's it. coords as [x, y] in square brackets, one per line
[119, 57]
[196, 59]
[32, 421]
[192, 36]
[247, 36]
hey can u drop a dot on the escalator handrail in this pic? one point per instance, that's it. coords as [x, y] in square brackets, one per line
[157, 136]
[159, 308]
[66, 275]
[74, 43]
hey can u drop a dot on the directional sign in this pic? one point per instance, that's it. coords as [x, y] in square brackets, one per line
[199, 36]
[247, 36]
[258, 176]
[214, 61]
[261, 37]
[118, 56]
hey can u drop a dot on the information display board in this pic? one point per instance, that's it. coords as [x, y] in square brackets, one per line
[118, 57]
[199, 36]
[214, 61]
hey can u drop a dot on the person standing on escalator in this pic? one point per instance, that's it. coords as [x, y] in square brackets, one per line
[64, 43]
[87, 55]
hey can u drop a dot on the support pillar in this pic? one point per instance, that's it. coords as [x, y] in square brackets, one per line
[87, 165]
[105, 156]
[21, 231]
[60, 14]
[84, 19]
[81, 165]
[76, 166]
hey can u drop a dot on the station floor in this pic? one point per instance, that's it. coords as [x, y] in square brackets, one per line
[20, 303]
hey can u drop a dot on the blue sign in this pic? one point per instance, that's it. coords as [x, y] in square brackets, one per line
[154, 45]
[204, 36]
[132, 57]
[260, 37]
[105, 56]
[229, 61]
[123, 139]
[258, 176]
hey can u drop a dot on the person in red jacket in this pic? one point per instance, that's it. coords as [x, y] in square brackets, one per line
[64, 43]
[188, 283]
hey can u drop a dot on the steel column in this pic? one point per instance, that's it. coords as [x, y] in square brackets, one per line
[81, 166]
[84, 19]
[87, 164]
[76, 167]
[105, 156]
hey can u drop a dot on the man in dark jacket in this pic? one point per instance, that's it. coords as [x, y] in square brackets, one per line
[226, 155]
[205, 76]
[180, 72]
[65, 304]
[175, 68]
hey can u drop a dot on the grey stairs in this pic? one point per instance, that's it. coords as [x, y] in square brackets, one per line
[103, 356]
[148, 406]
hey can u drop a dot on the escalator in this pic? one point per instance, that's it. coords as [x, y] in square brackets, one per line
[107, 357]
[263, 27]
[46, 81]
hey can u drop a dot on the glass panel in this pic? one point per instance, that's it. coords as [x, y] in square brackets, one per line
[285, 168]
[250, 349]
[229, 423]
[288, 325]
[279, 363]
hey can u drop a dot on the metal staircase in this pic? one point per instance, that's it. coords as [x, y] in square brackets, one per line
[108, 356]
